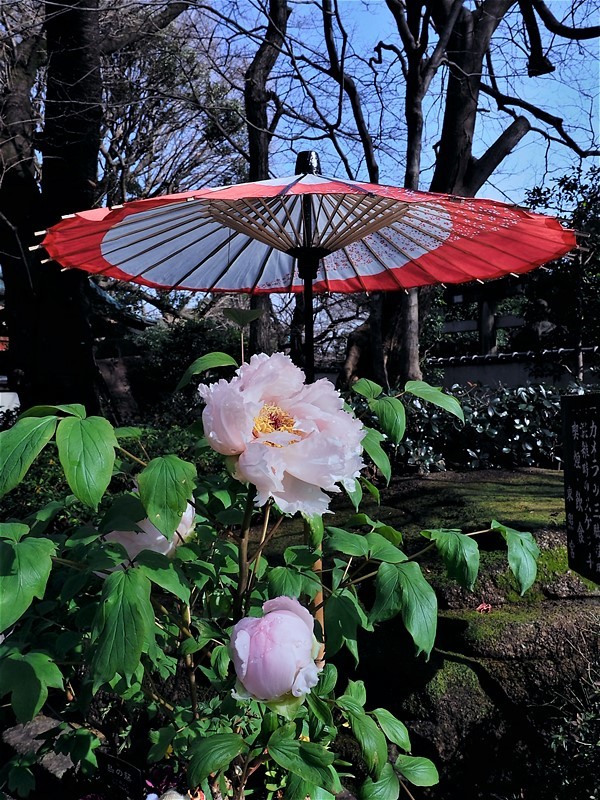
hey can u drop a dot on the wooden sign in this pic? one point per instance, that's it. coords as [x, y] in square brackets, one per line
[581, 441]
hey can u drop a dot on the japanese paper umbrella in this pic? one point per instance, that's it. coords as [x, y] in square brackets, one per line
[306, 233]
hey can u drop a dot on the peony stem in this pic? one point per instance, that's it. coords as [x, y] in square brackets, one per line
[317, 607]
[255, 560]
[131, 456]
[189, 664]
[243, 550]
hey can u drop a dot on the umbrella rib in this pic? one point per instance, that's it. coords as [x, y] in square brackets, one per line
[364, 228]
[260, 222]
[357, 274]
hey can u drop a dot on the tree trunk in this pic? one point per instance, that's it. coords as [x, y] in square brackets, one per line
[256, 101]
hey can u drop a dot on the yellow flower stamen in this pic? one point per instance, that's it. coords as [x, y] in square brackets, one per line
[273, 418]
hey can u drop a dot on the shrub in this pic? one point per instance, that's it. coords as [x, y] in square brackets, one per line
[504, 428]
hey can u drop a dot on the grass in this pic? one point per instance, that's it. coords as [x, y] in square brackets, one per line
[528, 500]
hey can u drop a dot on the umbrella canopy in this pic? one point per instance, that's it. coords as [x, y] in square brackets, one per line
[306, 233]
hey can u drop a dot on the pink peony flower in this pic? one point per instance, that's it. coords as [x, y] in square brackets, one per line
[273, 655]
[150, 538]
[293, 441]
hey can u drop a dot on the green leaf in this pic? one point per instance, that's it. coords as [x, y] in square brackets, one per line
[386, 788]
[24, 570]
[367, 388]
[435, 396]
[213, 754]
[523, 554]
[86, 449]
[164, 573]
[204, 363]
[161, 741]
[166, 485]
[314, 528]
[327, 680]
[394, 730]
[319, 708]
[284, 581]
[308, 760]
[402, 587]
[27, 677]
[372, 447]
[460, 554]
[14, 531]
[380, 549]
[123, 626]
[355, 494]
[391, 415]
[128, 432]
[341, 541]
[242, 316]
[370, 739]
[123, 514]
[20, 445]
[21, 779]
[343, 616]
[418, 771]
[73, 409]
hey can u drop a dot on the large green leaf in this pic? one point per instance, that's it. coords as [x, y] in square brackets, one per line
[20, 446]
[402, 587]
[24, 569]
[204, 363]
[343, 616]
[370, 739]
[381, 549]
[460, 554]
[308, 760]
[166, 485]
[74, 409]
[341, 541]
[436, 396]
[391, 415]
[395, 730]
[86, 449]
[213, 754]
[27, 677]
[285, 581]
[386, 788]
[523, 554]
[123, 626]
[419, 771]
[164, 573]
[367, 388]
[372, 447]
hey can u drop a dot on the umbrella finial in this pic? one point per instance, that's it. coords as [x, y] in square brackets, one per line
[307, 163]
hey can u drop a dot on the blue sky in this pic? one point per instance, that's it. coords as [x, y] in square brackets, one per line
[570, 92]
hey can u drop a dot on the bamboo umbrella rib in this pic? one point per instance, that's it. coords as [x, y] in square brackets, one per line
[288, 209]
[372, 220]
[249, 215]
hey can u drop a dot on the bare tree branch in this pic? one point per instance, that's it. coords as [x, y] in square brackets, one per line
[559, 28]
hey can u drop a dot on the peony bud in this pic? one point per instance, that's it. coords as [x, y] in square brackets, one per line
[273, 655]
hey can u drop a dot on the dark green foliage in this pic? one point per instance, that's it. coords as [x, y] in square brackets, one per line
[164, 352]
[504, 427]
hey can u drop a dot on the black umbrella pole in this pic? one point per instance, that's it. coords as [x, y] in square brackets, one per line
[309, 332]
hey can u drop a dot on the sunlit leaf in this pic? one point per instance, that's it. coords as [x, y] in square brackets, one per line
[523, 554]
[204, 363]
[86, 449]
[19, 447]
[436, 396]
